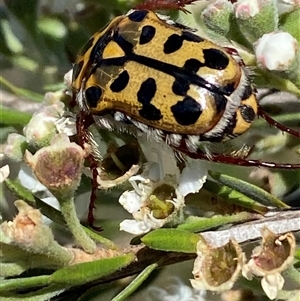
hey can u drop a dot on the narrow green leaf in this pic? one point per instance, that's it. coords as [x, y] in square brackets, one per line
[13, 117]
[99, 238]
[20, 191]
[44, 294]
[21, 92]
[136, 283]
[88, 271]
[235, 197]
[23, 283]
[198, 224]
[52, 27]
[11, 41]
[250, 190]
[171, 240]
[28, 64]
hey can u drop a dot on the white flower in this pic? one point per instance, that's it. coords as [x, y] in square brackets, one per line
[147, 204]
[158, 195]
[192, 177]
[276, 51]
[66, 125]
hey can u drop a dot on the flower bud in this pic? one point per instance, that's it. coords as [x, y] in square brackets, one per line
[218, 15]
[15, 147]
[276, 51]
[27, 233]
[42, 128]
[256, 17]
[58, 166]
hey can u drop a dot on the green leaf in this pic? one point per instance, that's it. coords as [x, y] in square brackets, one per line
[235, 197]
[99, 238]
[14, 117]
[136, 283]
[23, 283]
[198, 224]
[21, 92]
[11, 43]
[52, 27]
[88, 271]
[250, 190]
[171, 240]
[20, 191]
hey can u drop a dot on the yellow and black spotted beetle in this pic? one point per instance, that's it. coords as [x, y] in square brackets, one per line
[145, 72]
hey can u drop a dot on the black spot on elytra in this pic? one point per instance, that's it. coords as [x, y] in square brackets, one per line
[147, 34]
[220, 101]
[180, 87]
[150, 112]
[191, 37]
[120, 82]
[147, 91]
[247, 113]
[145, 94]
[173, 43]
[87, 46]
[247, 92]
[138, 15]
[76, 70]
[215, 59]
[186, 111]
[192, 65]
[93, 96]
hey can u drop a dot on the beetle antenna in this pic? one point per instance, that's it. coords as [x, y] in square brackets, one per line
[278, 125]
